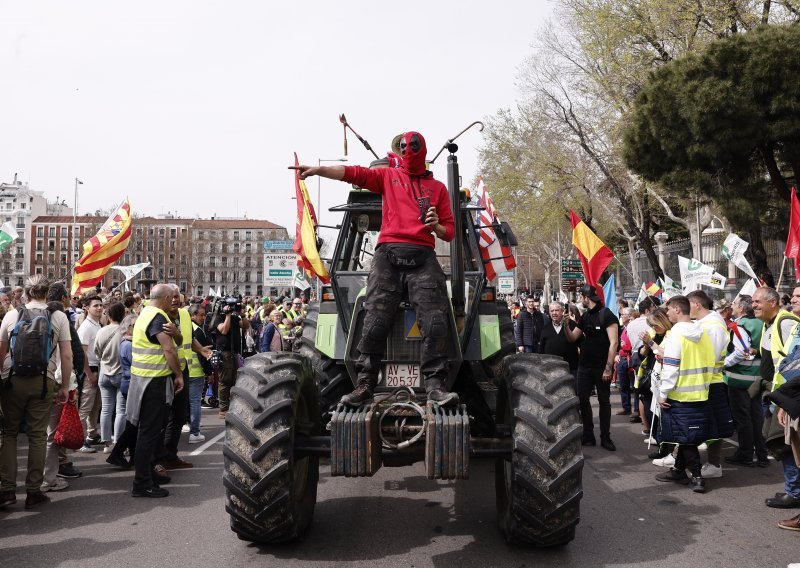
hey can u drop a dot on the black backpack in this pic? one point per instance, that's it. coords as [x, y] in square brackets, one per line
[32, 344]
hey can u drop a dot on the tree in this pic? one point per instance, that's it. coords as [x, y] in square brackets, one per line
[722, 121]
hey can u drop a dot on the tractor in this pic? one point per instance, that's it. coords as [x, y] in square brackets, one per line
[517, 409]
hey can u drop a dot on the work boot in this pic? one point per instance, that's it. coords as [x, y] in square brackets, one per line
[438, 394]
[361, 394]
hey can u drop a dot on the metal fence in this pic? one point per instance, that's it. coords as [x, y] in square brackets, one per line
[711, 244]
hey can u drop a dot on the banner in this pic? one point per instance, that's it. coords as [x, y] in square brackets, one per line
[670, 288]
[733, 249]
[130, 271]
[8, 234]
[749, 288]
[694, 273]
[610, 295]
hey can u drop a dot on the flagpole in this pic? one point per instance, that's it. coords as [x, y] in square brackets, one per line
[780, 278]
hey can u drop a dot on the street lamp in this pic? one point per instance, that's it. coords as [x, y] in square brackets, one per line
[74, 219]
[319, 182]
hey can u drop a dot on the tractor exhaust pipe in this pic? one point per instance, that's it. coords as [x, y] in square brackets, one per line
[456, 248]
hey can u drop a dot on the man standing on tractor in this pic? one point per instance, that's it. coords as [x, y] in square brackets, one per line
[415, 207]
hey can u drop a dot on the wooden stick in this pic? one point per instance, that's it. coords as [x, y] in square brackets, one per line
[780, 278]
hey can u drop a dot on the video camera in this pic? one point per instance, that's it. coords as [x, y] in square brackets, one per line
[227, 305]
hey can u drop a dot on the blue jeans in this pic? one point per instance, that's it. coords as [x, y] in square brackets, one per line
[195, 395]
[113, 410]
[625, 383]
[791, 476]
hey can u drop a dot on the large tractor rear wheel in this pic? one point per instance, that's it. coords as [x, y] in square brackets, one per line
[270, 494]
[539, 489]
[331, 377]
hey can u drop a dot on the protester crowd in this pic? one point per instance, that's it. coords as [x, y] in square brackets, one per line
[689, 372]
[134, 371]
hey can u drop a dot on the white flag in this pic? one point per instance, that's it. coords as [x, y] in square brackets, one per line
[733, 249]
[693, 273]
[748, 289]
[716, 280]
[300, 281]
[132, 270]
[670, 288]
[562, 297]
[212, 292]
[642, 294]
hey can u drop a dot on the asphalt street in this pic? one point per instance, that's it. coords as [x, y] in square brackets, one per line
[400, 518]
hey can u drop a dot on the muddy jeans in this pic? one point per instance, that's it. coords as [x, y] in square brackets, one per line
[427, 293]
[227, 378]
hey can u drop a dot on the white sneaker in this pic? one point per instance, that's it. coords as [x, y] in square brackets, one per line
[58, 485]
[87, 449]
[652, 441]
[710, 470]
[185, 429]
[196, 438]
[702, 447]
[107, 449]
[667, 461]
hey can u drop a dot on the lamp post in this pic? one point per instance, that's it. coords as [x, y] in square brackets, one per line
[319, 182]
[74, 220]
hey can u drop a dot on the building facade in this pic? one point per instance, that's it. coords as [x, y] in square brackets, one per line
[195, 254]
[20, 205]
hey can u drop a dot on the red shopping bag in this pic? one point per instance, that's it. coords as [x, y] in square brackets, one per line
[69, 432]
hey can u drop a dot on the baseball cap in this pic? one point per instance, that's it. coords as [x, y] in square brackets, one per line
[590, 292]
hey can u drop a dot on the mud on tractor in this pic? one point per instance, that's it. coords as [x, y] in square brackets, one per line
[517, 409]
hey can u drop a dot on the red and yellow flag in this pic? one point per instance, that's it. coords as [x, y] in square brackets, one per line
[654, 289]
[102, 250]
[594, 254]
[305, 240]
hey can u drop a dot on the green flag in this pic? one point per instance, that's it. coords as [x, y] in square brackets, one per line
[8, 234]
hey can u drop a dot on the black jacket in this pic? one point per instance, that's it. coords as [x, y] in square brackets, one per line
[528, 330]
[552, 343]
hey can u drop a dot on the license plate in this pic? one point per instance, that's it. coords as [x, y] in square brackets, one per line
[401, 376]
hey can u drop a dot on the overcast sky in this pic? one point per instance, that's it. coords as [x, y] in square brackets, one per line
[195, 107]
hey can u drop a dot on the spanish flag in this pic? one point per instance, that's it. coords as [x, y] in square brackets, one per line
[594, 254]
[305, 240]
[102, 250]
[654, 289]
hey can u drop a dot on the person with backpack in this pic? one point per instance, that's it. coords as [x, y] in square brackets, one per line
[38, 339]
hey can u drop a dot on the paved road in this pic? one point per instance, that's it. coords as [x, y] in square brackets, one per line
[399, 518]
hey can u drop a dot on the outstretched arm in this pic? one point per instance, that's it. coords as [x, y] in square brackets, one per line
[330, 172]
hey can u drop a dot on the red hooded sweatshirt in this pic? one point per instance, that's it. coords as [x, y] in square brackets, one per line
[400, 188]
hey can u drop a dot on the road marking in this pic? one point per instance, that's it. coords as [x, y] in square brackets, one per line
[208, 444]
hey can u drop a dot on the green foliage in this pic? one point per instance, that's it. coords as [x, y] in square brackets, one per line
[717, 120]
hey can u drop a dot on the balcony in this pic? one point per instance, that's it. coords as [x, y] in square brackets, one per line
[18, 255]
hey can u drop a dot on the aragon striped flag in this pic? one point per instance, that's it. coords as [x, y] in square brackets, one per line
[305, 240]
[102, 250]
[594, 254]
[496, 257]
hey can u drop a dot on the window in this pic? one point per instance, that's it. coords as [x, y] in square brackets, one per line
[212, 247]
[152, 231]
[138, 259]
[259, 276]
[51, 244]
[260, 235]
[20, 250]
[39, 231]
[212, 276]
[138, 245]
[138, 232]
[63, 259]
[39, 245]
[173, 233]
[248, 235]
[150, 247]
[247, 248]
[183, 286]
[51, 258]
[38, 270]
[63, 231]
[171, 272]
[52, 232]
[201, 235]
[172, 259]
[22, 205]
[212, 261]
[161, 259]
[162, 232]
[64, 245]
[247, 262]
[236, 235]
[19, 265]
[235, 248]
[224, 261]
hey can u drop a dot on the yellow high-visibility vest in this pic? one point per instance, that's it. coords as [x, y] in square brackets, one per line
[148, 359]
[696, 370]
[195, 368]
[185, 349]
[717, 376]
[777, 344]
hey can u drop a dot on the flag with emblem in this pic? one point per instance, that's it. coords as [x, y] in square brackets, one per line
[8, 234]
[653, 289]
[496, 257]
[595, 256]
[305, 240]
[102, 250]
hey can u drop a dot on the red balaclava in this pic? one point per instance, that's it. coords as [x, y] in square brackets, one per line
[413, 151]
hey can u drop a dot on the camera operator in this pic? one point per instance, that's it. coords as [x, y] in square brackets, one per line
[229, 325]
